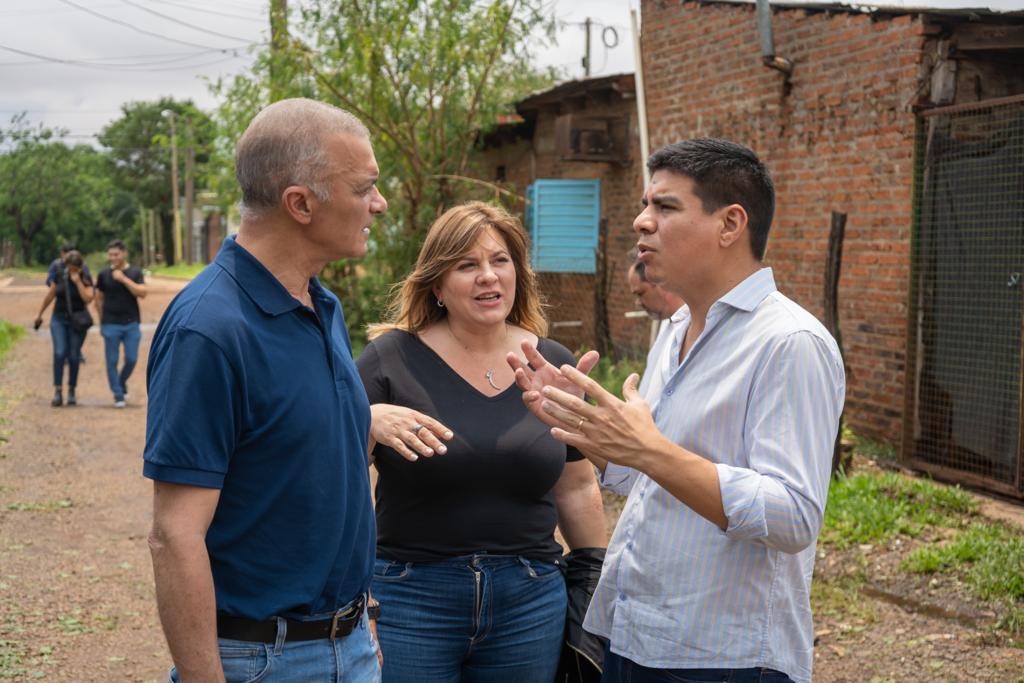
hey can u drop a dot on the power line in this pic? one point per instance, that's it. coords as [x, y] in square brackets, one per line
[166, 58]
[136, 28]
[213, 11]
[122, 67]
[183, 23]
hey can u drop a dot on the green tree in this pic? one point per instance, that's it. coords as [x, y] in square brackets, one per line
[51, 192]
[427, 77]
[139, 144]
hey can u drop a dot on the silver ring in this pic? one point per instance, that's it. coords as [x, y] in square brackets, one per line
[416, 429]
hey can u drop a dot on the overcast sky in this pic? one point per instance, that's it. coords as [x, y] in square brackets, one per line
[72, 63]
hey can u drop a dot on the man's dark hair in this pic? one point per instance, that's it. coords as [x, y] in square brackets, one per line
[724, 173]
[68, 246]
[116, 244]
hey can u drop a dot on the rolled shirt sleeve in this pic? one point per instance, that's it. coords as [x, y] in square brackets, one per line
[779, 498]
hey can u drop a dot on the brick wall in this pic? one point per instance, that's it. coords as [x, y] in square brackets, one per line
[839, 137]
[571, 296]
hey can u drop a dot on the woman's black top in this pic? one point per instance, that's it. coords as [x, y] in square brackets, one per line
[492, 491]
[64, 283]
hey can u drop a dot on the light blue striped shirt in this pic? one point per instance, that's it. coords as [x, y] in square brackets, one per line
[759, 394]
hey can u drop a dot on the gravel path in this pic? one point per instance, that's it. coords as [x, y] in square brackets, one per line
[76, 595]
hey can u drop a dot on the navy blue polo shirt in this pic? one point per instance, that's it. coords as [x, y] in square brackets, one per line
[252, 393]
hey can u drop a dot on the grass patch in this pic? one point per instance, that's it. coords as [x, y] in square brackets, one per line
[45, 506]
[991, 559]
[611, 373]
[179, 271]
[872, 450]
[870, 508]
[9, 334]
[34, 269]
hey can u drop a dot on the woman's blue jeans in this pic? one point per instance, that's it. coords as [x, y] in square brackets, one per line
[485, 618]
[67, 346]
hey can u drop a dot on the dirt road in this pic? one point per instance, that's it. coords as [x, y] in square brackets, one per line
[76, 590]
[76, 595]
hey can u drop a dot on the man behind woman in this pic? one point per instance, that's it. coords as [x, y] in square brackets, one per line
[466, 570]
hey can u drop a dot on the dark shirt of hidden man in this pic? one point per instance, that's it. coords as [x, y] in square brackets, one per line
[263, 530]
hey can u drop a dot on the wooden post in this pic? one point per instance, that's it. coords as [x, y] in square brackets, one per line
[189, 221]
[142, 220]
[832, 268]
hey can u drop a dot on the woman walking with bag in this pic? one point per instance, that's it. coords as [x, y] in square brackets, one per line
[71, 291]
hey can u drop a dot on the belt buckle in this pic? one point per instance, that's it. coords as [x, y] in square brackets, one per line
[343, 615]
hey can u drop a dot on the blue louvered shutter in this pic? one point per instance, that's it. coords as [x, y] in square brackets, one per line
[563, 217]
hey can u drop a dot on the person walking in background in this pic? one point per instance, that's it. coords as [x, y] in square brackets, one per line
[70, 291]
[257, 423]
[57, 265]
[467, 569]
[55, 268]
[119, 287]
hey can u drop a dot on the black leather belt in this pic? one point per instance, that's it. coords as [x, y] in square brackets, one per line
[340, 625]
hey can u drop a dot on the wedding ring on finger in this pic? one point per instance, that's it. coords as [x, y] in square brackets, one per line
[580, 425]
[416, 429]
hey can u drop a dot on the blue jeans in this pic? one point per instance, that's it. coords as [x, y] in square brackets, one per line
[67, 346]
[352, 659]
[618, 669]
[113, 336]
[485, 618]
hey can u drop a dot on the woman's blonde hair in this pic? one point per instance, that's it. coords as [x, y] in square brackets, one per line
[412, 305]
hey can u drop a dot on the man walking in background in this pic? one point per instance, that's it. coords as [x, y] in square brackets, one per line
[118, 290]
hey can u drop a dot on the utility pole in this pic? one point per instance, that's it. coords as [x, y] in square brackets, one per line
[174, 186]
[143, 221]
[278, 43]
[586, 57]
[190, 158]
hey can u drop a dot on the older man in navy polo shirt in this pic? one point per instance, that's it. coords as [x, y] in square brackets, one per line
[263, 530]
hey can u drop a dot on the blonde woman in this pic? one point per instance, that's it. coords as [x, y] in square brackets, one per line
[470, 486]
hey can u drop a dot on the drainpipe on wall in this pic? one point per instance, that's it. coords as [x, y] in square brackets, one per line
[641, 111]
[764, 29]
[641, 99]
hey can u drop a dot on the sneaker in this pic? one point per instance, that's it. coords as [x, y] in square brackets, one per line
[119, 404]
[71, 398]
[58, 399]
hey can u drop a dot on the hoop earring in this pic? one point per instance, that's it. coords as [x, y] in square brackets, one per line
[440, 304]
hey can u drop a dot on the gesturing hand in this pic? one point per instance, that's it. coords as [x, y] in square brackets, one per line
[618, 431]
[409, 432]
[531, 378]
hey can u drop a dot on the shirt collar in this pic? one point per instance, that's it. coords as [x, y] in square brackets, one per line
[748, 294]
[252, 276]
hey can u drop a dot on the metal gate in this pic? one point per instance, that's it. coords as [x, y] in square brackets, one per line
[963, 415]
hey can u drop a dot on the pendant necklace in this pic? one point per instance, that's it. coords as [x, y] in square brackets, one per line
[489, 374]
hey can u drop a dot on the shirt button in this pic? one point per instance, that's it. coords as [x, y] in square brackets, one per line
[668, 391]
[629, 546]
[622, 597]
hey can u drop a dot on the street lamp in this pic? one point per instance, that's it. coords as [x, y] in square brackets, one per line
[169, 114]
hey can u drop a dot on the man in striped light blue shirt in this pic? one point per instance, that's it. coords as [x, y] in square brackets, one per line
[725, 457]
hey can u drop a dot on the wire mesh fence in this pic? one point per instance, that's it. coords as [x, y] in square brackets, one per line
[964, 416]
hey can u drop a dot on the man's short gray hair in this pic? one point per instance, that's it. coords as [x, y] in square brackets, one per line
[283, 146]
